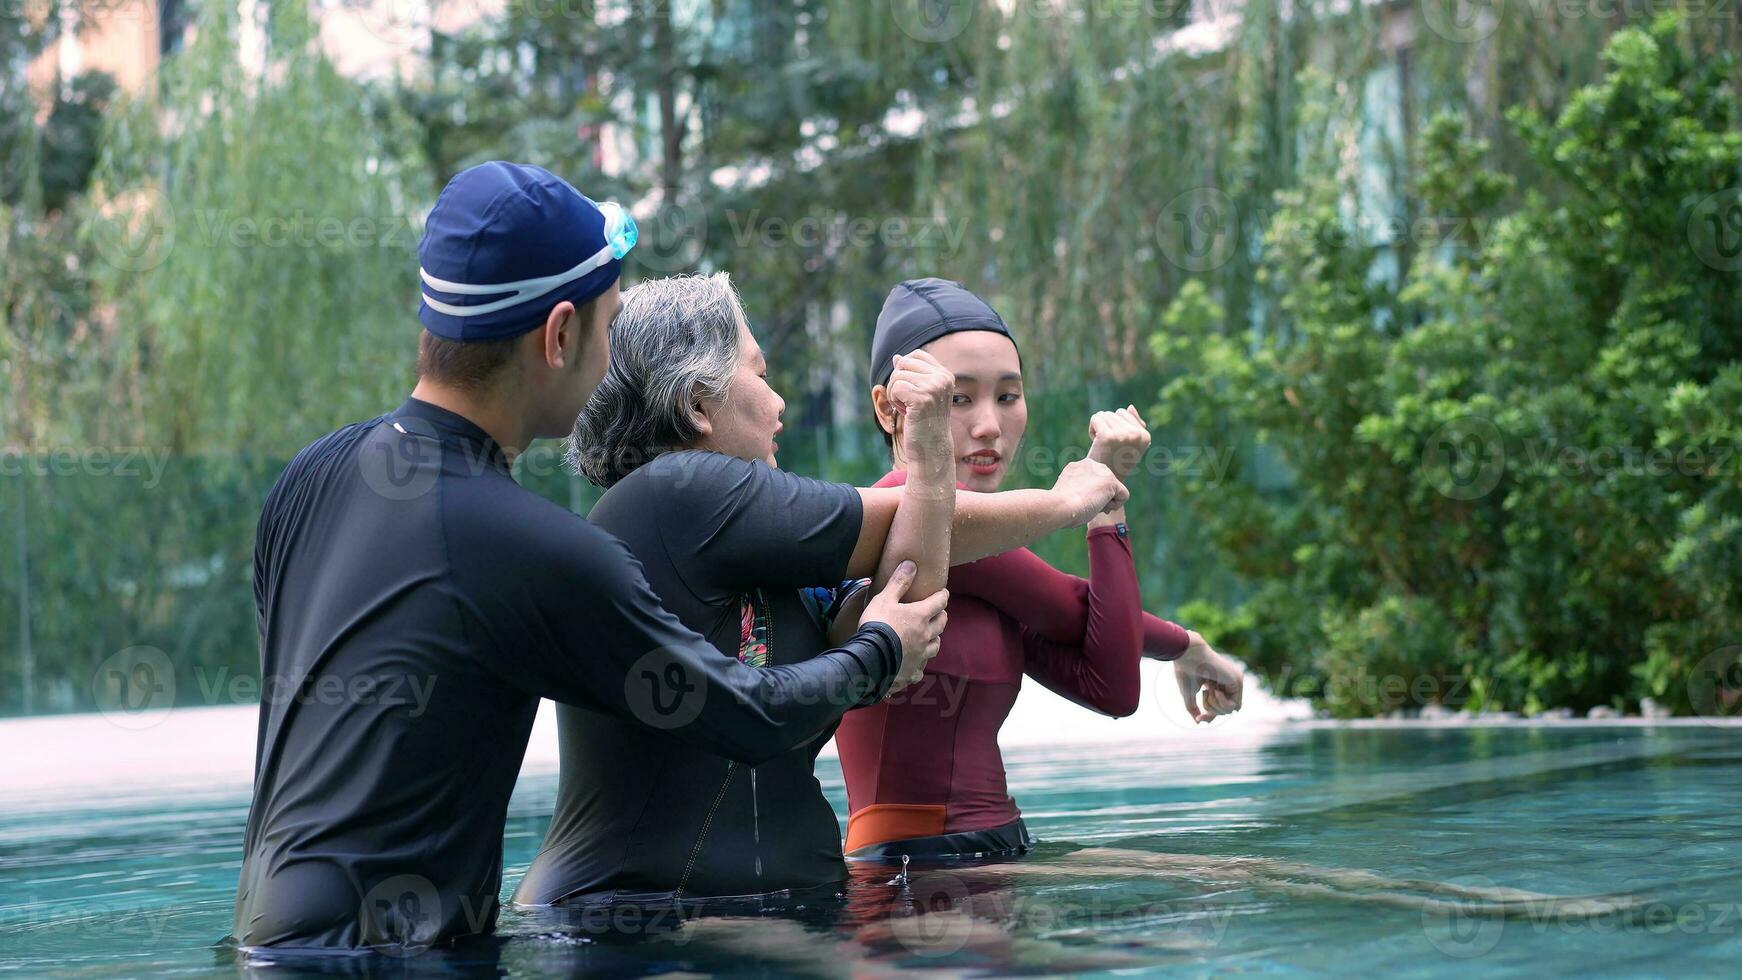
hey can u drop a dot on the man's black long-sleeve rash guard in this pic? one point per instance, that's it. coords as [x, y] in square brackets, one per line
[414, 604]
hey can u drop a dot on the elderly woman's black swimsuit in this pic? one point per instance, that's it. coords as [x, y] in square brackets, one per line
[644, 818]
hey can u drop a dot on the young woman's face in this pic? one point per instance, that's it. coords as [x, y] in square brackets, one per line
[987, 411]
[745, 422]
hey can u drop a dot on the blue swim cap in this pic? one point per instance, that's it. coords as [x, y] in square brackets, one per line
[508, 241]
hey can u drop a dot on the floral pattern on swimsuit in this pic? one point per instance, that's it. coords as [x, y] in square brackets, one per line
[756, 625]
[755, 631]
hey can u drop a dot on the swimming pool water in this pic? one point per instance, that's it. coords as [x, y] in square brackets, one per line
[133, 881]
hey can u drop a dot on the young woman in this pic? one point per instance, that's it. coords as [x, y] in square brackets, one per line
[924, 774]
[682, 433]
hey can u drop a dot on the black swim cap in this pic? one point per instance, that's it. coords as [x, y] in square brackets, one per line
[920, 311]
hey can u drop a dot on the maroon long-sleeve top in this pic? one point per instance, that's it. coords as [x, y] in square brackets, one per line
[926, 761]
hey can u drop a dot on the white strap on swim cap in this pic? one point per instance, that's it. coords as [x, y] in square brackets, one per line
[523, 290]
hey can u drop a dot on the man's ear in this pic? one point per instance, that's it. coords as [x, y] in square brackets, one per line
[562, 335]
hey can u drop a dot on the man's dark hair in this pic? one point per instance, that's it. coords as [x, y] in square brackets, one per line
[471, 364]
[467, 365]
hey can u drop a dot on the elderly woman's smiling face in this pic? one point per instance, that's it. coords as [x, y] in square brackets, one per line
[746, 420]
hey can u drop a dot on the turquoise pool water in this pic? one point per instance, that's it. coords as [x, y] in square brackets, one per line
[1262, 833]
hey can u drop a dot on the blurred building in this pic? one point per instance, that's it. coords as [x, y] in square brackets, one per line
[129, 39]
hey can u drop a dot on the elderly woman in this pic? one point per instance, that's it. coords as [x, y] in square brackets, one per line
[682, 433]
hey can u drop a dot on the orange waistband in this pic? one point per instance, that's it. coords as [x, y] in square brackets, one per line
[884, 822]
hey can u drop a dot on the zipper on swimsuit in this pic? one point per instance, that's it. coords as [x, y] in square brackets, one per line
[701, 838]
[761, 634]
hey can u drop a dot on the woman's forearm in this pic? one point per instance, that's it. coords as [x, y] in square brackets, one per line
[981, 524]
[1099, 669]
[921, 528]
[988, 524]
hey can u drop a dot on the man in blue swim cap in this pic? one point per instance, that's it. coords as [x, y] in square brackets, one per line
[414, 602]
[519, 274]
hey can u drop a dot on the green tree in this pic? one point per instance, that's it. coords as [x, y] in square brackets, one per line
[1513, 475]
[258, 227]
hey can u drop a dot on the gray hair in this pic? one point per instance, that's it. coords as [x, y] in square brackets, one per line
[674, 340]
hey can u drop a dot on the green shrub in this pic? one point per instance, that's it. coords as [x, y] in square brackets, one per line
[1515, 462]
